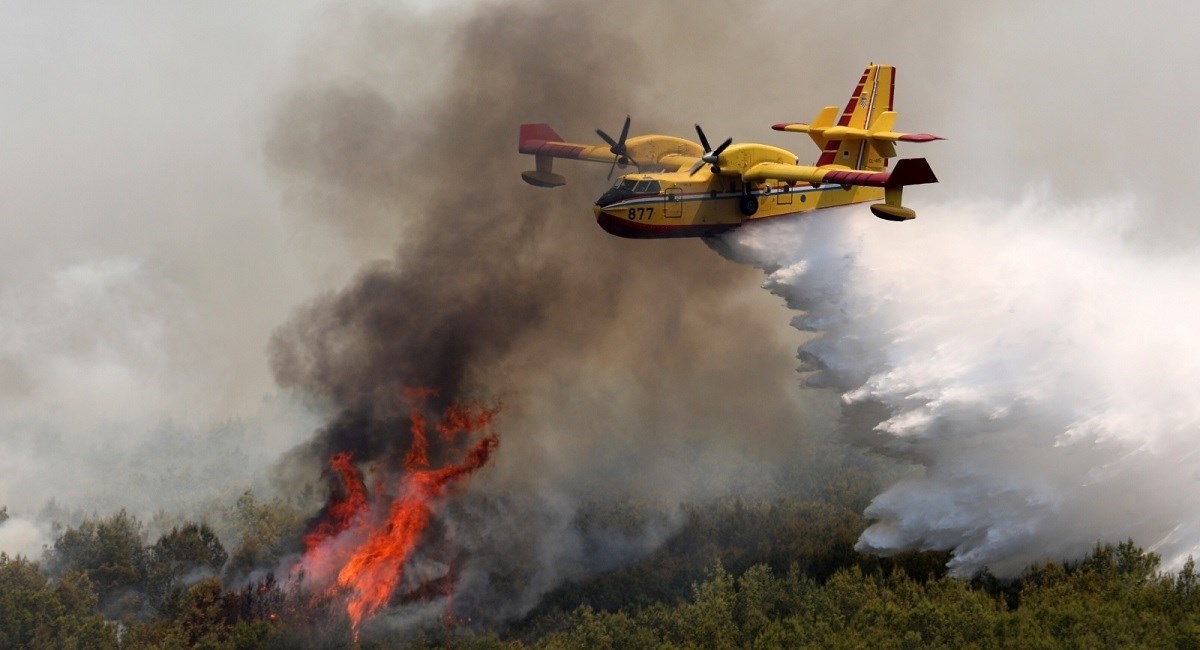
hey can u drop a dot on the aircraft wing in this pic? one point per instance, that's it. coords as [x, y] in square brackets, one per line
[909, 171]
[544, 144]
[541, 140]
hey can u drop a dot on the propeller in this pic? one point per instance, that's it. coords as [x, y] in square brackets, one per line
[617, 147]
[710, 155]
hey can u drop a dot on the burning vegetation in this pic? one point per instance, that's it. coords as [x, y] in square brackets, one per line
[359, 547]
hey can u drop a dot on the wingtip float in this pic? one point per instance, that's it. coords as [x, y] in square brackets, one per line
[683, 189]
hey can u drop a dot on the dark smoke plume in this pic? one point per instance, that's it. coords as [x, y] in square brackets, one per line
[619, 361]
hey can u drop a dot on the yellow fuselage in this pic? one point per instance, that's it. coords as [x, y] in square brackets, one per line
[674, 204]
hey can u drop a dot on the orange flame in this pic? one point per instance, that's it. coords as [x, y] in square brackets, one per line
[375, 569]
[418, 452]
[377, 548]
[460, 419]
[344, 507]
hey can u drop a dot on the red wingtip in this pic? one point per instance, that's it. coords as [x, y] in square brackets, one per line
[781, 126]
[911, 171]
[538, 132]
[920, 137]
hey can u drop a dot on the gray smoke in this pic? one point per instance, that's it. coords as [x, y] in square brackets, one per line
[651, 371]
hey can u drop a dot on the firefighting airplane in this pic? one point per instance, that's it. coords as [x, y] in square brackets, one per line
[682, 189]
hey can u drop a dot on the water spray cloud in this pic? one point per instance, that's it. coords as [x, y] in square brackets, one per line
[1040, 370]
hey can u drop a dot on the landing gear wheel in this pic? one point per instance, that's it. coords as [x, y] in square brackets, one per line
[748, 204]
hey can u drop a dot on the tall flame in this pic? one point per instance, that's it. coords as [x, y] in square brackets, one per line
[343, 507]
[375, 569]
[371, 547]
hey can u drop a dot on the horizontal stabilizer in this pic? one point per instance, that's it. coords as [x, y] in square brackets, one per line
[881, 132]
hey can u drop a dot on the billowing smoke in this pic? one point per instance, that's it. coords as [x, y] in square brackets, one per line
[1040, 370]
[644, 370]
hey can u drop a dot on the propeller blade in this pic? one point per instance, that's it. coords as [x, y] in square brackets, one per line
[710, 155]
[715, 156]
[606, 138]
[718, 150]
[610, 169]
[703, 140]
[624, 133]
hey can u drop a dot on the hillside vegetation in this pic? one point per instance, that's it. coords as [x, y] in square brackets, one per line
[765, 573]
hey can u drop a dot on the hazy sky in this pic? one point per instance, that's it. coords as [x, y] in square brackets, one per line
[145, 254]
[132, 174]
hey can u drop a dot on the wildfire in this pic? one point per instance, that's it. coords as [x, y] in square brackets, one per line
[343, 507]
[371, 543]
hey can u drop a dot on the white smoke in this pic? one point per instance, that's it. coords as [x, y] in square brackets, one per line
[1044, 373]
[22, 537]
[102, 403]
[146, 257]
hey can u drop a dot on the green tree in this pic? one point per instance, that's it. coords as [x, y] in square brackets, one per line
[1187, 581]
[708, 620]
[180, 556]
[601, 630]
[760, 597]
[34, 614]
[263, 529]
[111, 553]
[202, 611]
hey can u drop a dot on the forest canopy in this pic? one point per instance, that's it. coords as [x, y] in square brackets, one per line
[763, 573]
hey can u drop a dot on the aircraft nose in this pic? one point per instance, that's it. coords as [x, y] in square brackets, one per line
[612, 196]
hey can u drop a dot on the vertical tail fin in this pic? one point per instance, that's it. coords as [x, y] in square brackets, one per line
[872, 98]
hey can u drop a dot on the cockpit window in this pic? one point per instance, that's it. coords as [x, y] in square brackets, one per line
[624, 184]
[646, 187]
